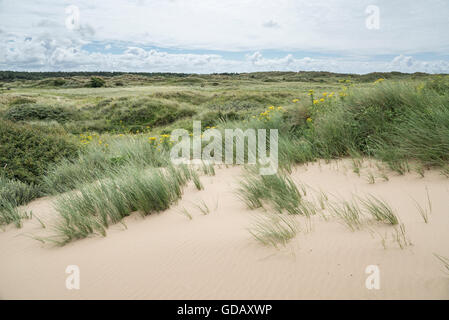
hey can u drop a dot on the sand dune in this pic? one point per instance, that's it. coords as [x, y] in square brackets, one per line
[213, 256]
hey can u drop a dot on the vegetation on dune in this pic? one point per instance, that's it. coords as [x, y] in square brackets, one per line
[96, 82]
[17, 192]
[118, 162]
[274, 230]
[26, 151]
[14, 193]
[92, 208]
[29, 112]
[445, 262]
[278, 191]
[142, 111]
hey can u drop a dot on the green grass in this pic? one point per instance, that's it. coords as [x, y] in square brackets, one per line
[400, 236]
[274, 229]
[186, 213]
[425, 210]
[9, 213]
[349, 213]
[277, 191]
[208, 169]
[97, 161]
[379, 210]
[400, 121]
[203, 207]
[94, 207]
[17, 192]
[14, 193]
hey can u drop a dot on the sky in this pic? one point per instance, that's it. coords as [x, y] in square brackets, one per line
[209, 36]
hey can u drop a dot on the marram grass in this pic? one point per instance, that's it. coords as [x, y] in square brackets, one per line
[275, 230]
[93, 208]
[277, 191]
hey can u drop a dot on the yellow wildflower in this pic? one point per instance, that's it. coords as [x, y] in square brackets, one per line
[379, 80]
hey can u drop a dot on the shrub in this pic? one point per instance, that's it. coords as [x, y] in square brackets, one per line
[59, 82]
[143, 111]
[96, 82]
[213, 117]
[26, 112]
[26, 151]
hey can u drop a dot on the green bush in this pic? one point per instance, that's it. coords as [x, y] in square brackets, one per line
[26, 151]
[212, 118]
[27, 112]
[143, 111]
[96, 82]
[59, 82]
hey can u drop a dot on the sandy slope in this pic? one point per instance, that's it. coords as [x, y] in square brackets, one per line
[168, 256]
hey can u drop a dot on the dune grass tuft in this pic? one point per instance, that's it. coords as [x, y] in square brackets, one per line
[9, 213]
[400, 236]
[274, 229]
[349, 213]
[94, 207]
[425, 210]
[380, 210]
[444, 261]
[203, 207]
[278, 191]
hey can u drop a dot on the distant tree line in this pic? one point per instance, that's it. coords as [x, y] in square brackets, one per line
[6, 76]
[23, 75]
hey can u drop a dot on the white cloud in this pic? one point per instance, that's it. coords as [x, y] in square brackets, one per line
[334, 29]
[44, 53]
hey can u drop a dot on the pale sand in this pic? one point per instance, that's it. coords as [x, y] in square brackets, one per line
[168, 256]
